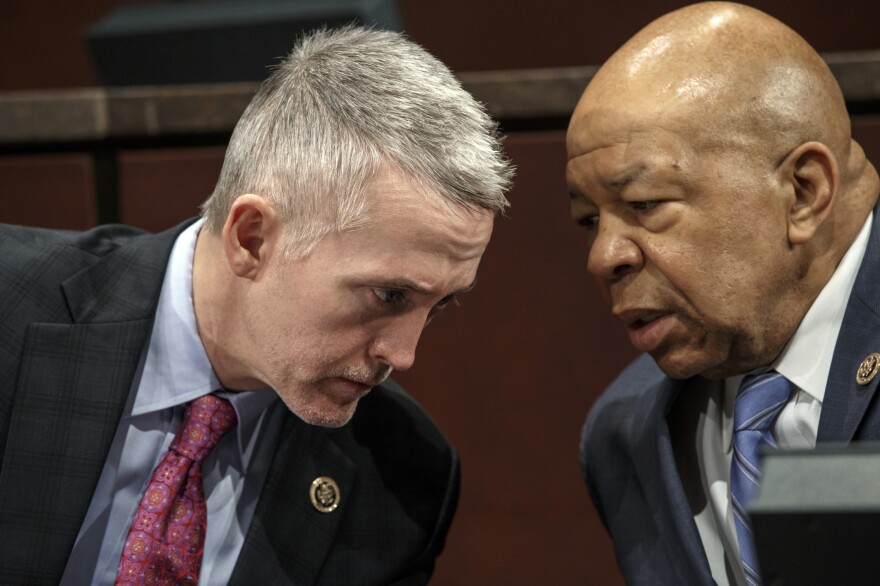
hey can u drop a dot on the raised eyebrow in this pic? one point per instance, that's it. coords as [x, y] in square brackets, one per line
[627, 179]
[410, 286]
[623, 182]
[405, 285]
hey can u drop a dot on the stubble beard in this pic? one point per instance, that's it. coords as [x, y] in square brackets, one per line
[310, 402]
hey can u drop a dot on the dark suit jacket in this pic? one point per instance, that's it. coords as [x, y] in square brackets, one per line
[627, 444]
[76, 311]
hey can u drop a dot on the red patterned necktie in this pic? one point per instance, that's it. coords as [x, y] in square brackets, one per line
[167, 537]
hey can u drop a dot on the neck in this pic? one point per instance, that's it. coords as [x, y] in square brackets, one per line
[214, 304]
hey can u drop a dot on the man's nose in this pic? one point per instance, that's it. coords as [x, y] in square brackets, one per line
[614, 253]
[396, 345]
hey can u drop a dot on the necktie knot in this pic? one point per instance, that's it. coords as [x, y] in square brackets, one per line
[206, 421]
[759, 400]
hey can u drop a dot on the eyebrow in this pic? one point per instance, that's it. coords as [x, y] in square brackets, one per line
[627, 179]
[617, 183]
[623, 182]
[407, 285]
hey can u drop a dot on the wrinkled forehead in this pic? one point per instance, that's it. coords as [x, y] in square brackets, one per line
[693, 105]
[595, 126]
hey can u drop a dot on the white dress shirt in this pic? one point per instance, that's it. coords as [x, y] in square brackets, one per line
[806, 362]
[174, 371]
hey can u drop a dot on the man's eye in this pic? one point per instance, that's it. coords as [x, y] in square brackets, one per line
[440, 306]
[590, 221]
[390, 296]
[445, 301]
[644, 206]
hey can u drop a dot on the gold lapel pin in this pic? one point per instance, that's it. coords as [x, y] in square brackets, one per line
[868, 369]
[325, 493]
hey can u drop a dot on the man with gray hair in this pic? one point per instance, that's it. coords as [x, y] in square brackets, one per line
[180, 407]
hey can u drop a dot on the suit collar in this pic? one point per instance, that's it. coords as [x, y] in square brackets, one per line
[289, 539]
[846, 402]
[109, 291]
[662, 485]
[806, 358]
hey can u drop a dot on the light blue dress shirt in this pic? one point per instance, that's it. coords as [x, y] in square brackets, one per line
[175, 370]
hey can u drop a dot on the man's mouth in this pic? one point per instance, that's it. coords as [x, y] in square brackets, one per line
[638, 317]
[362, 386]
[647, 319]
[646, 328]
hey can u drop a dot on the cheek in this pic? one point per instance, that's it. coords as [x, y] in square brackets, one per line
[685, 265]
[330, 339]
[733, 285]
[705, 276]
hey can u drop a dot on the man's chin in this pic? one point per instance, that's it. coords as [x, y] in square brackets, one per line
[327, 414]
[681, 367]
[329, 402]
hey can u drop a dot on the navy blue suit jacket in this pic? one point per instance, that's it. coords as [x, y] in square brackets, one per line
[627, 450]
[76, 311]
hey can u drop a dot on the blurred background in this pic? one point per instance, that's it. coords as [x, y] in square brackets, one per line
[510, 374]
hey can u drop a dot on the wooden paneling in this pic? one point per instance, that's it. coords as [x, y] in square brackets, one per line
[52, 191]
[866, 131]
[160, 188]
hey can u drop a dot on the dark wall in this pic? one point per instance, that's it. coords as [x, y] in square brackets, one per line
[510, 374]
[41, 42]
[516, 34]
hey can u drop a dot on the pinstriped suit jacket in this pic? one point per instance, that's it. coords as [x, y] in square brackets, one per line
[627, 444]
[76, 311]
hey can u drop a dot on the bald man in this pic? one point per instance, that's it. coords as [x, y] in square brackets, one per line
[730, 224]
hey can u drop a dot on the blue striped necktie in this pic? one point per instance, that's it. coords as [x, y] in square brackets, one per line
[758, 402]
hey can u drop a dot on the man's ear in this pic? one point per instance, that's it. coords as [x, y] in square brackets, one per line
[814, 175]
[250, 234]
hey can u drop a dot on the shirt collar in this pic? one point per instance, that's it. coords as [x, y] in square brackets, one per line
[806, 359]
[177, 369]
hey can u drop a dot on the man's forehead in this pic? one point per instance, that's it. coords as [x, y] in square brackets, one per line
[600, 126]
[653, 83]
[644, 157]
[594, 127]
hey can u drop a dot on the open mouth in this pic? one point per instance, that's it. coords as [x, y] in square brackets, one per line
[646, 319]
[648, 330]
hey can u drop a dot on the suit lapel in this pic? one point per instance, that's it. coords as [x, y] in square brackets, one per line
[846, 402]
[66, 414]
[73, 382]
[672, 515]
[289, 540]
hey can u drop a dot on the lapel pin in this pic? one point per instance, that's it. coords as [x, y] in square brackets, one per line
[868, 369]
[325, 493]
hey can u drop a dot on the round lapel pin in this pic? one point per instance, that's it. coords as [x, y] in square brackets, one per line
[325, 494]
[868, 369]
